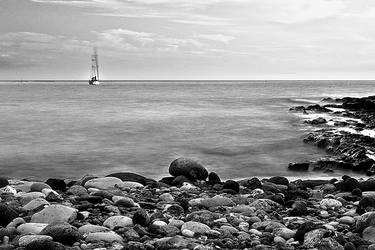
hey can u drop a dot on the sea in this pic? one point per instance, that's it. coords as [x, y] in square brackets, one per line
[237, 129]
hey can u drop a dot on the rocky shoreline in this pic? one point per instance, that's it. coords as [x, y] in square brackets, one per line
[344, 128]
[191, 209]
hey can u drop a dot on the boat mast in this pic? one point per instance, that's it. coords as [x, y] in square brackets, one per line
[94, 66]
[96, 62]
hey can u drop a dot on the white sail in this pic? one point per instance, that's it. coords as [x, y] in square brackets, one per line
[94, 78]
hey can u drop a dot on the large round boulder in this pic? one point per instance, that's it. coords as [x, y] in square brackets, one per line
[189, 168]
[63, 233]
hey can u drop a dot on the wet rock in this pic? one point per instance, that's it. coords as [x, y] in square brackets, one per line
[77, 190]
[63, 233]
[368, 185]
[130, 184]
[295, 166]
[180, 180]
[299, 208]
[127, 176]
[284, 232]
[213, 178]
[302, 230]
[56, 184]
[317, 121]
[329, 244]
[252, 183]
[188, 168]
[103, 183]
[38, 186]
[347, 220]
[366, 220]
[118, 222]
[265, 205]
[3, 182]
[176, 242]
[330, 204]
[35, 204]
[365, 204]
[123, 201]
[89, 228]
[7, 214]
[55, 214]
[279, 180]
[232, 185]
[27, 239]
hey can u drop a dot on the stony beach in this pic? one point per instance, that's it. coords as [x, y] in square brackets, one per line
[194, 209]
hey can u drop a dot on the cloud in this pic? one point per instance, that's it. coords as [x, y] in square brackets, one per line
[217, 37]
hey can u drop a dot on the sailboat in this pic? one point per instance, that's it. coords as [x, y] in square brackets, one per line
[94, 78]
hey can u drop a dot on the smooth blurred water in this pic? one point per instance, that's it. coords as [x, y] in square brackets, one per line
[237, 129]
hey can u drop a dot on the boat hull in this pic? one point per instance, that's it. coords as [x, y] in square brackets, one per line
[94, 82]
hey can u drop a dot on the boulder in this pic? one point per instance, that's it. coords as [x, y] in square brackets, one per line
[31, 228]
[180, 180]
[303, 166]
[213, 178]
[252, 183]
[35, 204]
[27, 197]
[38, 186]
[63, 233]
[366, 220]
[3, 182]
[27, 239]
[130, 184]
[57, 184]
[118, 222]
[104, 183]
[44, 245]
[266, 205]
[330, 204]
[314, 237]
[77, 190]
[55, 214]
[279, 180]
[123, 201]
[347, 184]
[127, 176]
[369, 234]
[188, 168]
[284, 232]
[7, 214]
[232, 185]
[329, 244]
[141, 217]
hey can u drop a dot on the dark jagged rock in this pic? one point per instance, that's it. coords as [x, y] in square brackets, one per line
[188, 168]
[213, 179]
[127, 176]
[57, 184]
[368, 185]
[357, 192]
[232, 185]
[299, 208]
[3, 182]
[294, 166]
[313, 183]
[366, 204]
[317, 108]
[280, 180]
[347, 184]
[371, 171]
[317, 121]
[63, 233]
[167, 180]
[303, 229]
[7, 214]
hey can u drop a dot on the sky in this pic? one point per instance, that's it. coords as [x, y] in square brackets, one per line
[188, 39]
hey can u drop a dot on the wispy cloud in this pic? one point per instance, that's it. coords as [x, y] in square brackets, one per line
[217, 37]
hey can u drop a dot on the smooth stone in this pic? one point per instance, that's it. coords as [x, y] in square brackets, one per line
[77, 190]
[233, 185]
[27, 197]
[31, 228]
[196, 227]
[35, 204]
[105, 237]
[244, 226]
[44, 245]
[365, 220]
[255, 232]
[330, 204]
[216, 201]
[348, 220]
[89, 228]
[279, 180]
[7, 214]
[213, 178]
[38, 186]
[186, 186]
[243, 208]
[123, 201]
[187, 233]
[159, 223]
[189, 168]
[176, 223]
[27, 239]
[55, 214]
[130, 184]
[118, 221]
[369, 234]
[167, 197]
[279, 240]
[104, 183]
[230, 229]
[63, 233]
[284, 232]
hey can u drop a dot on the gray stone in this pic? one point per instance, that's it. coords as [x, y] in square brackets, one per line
[55, 214]
[27, 239]
[103, 183]
[118, 221]
[216, 201]
[31, 228]
[196, 227]
[189, 168]
[104, 237]
[369, 234]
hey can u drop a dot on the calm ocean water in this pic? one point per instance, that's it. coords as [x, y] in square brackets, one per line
[236, 129]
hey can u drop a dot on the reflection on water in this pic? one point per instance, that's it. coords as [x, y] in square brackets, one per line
[235, 129]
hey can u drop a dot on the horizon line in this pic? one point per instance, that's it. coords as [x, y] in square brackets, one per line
[176, 80]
